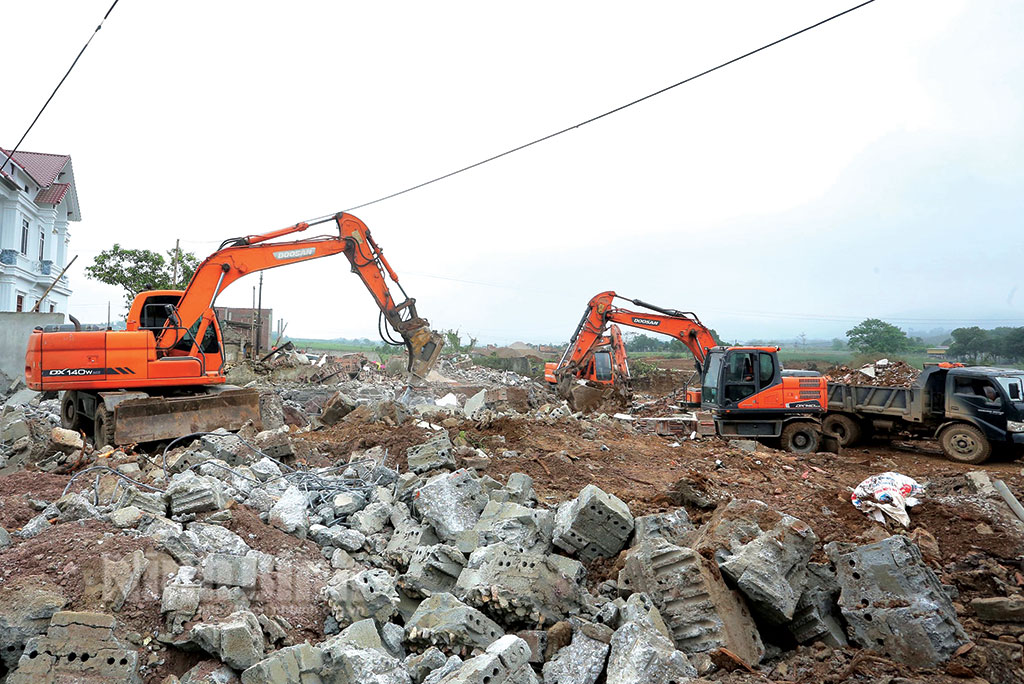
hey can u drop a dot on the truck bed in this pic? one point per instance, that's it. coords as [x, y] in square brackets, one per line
[898, 402]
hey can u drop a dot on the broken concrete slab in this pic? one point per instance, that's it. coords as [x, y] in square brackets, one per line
[77, 647]
[506, 661]
[674, 527]
[432, 569]
[336, 408]
[207, 538]
[702, 613]
[640, 654]
[344, 662]
[894, 603]
[434, 454]
[237, 639]
[371, 519]
[26, 606]
[526, 528]
[816, 617]
[409, 536]
[581, 662]
[301, 663]
[763, 552]
[366, 594]
[451, 503]
[232, 571]
[521, 589]
[289, 514]
[999, 608]
[419, 665]
[191, 493]
[593, 525]
[444, 622]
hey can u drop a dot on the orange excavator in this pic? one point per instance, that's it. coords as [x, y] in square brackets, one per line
[604, 363]
[163, 376]
[745, 389]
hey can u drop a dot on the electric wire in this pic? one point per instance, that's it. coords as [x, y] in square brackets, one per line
[68, 73]
[607, 113]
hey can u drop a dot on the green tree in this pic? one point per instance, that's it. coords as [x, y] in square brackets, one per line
[838, 344]
[875, 336]
[136, 270]
[969, 343]
[453, 342]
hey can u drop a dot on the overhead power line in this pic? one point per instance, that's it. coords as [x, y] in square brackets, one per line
[43, 108]
[601, 116]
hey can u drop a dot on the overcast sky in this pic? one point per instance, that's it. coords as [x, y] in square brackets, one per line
[871, 167]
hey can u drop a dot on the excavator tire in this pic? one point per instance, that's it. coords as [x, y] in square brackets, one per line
[846, 430]
[103, 427]
[69, 417]
[965, 443]
[800, 438]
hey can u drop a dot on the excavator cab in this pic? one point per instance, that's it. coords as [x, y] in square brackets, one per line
[736, 374]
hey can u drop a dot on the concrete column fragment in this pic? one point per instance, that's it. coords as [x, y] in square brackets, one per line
[450, 625]
[894, 603]
[593, 525]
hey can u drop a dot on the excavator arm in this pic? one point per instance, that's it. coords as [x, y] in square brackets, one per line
[190, 319]
[601, 312]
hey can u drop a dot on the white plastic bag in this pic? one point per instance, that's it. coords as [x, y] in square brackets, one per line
[887, 494]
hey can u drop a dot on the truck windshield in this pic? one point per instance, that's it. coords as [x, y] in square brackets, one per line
[709, 392]
[1013, 386]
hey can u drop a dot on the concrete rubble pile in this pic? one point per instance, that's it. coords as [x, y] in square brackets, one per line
[273, 570]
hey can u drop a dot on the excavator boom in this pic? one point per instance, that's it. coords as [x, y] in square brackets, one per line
[165, 372]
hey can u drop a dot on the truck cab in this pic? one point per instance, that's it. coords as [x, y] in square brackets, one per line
[990, 399]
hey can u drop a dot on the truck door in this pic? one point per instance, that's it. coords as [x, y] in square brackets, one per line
[978, 400]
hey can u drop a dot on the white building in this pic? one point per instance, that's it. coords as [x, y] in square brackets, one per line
[37, 199]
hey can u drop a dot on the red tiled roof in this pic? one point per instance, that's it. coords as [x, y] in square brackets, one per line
[43, 167]
[53, 194]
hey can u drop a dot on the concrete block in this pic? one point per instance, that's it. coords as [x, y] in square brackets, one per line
[409, 536]
[816, 617]
[371, 519]
[702, 613]
[475, 404]
[893, 602]
[5, 539]
[674, 527]
[432, 569]
[206, 538]
[506, 661]
[446, 623]
[265, 469]
[232, 571]
[65, 440]
[225, 446]
[347, 503]
[77, 647]
[337, 536]
[75, 507]
[237, 639]
[521, 589]
[537, 640]
[148, 502]
[25, 612]
[346, 663]
[362, 634]
[451, 503]
[999, 609]
[763, 552]
[125, 517]
[451, 665]
[191, 493]
[525, 528]
[593, 525]
[520, 488]
[581, 662]
[435, 453]
[419, 665]
[289, 514]
[366, 594]
[640, 654]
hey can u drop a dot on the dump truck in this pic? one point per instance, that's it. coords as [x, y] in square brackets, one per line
[973, 411]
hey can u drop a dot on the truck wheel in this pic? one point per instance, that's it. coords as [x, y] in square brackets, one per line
[103, 427]
[69, 417]
[965, 444]
[845, 429]
[800, 438]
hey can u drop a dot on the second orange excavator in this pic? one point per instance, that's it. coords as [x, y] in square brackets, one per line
[163, 376]
[745, 389]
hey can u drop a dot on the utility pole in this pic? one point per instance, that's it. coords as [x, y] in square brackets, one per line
[259, 317]
[174, 262]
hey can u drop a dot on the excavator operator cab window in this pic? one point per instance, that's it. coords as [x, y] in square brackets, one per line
[156, 311]
[603, 366]
[739, 379]
[712, 375]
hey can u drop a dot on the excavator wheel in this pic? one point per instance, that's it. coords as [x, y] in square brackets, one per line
[103, 427]
[800, 438]
[69, 416]
[846, 430]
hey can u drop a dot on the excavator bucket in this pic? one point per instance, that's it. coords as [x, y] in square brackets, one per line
[160, 418]
[424, 349]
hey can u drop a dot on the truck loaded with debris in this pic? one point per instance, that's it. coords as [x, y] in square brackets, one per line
[972, 411]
